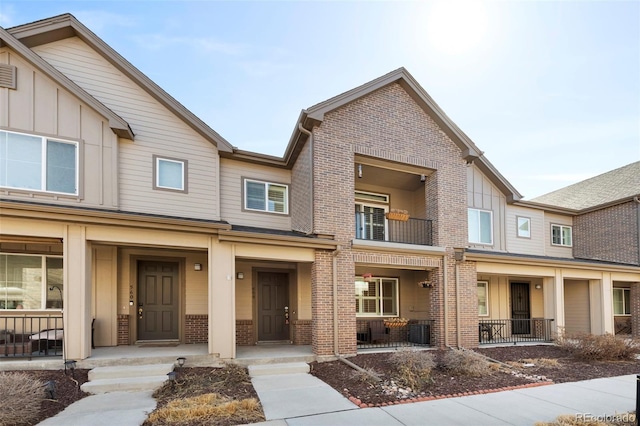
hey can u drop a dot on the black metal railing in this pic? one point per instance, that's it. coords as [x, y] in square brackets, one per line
[390, 334]
[28, 336]
[375, 226]
[514, 330]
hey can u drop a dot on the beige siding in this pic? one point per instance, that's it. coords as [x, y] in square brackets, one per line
[551, 250]
[484, 195]
[303, 300]
[105, 295]
[534, 245]
[244, 295]
[398, 198]
[231, 181]
[157, 131]
[576, 306]
[39, 106]
[500, 296]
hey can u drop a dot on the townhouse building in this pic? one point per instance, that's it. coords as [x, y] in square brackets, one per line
[125, 219]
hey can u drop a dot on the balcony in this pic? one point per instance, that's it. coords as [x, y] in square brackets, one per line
[374, 225]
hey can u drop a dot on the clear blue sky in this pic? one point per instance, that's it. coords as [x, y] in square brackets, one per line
[550, 91]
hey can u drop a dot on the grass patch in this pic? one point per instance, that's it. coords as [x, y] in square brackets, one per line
[210, 408]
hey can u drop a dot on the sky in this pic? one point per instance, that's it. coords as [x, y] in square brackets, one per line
[549, 90]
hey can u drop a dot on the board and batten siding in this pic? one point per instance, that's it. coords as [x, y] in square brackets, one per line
[231, 192]
[157, 132]
[534, 245]
[556, 219]
[41, 107]
[484, 195]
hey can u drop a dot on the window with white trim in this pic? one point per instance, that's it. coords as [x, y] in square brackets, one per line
[371, 222]
[30, 281]
[170, 174]
[480, 226]
[524, 227]
[266, 196]
[376, 297]
[561, 235]
[38, 163]
[483, 298]
[621, 301]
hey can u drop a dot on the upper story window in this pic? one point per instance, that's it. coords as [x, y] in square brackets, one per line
[266, 196]
[561, 235]
[371, 223]
[38, 163]
[483, 298]
[621, 301]
[30, 281]
[480, 226]
[524, 227]
[376, 297]
[170, 174]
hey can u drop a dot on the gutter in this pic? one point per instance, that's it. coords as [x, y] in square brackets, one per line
[311, 186]
[445, 279]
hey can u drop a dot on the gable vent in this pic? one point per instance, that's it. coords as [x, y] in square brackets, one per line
[8, 76]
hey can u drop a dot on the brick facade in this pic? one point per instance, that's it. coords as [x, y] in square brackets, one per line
[635, 310]
[244, 333]
[196, 329]
[302, 332]
[123, 330]
[599, 234]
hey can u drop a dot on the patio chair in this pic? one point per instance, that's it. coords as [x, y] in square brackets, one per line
[378, 332]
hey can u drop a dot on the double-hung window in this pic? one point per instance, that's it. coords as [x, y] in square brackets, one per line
[483, 298]
[170, 174]
[480, 226]
[621, 301]
[561, 235]
[266, 196]
[376, 297]
[30, 281]
[37, 163]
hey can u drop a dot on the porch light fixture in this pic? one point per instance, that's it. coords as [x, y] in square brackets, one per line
[240, 275]
[538, 286]
[423, 178]
[50, 389]
[197, 266]
[359, 170]
[367, 277]
[181, 360]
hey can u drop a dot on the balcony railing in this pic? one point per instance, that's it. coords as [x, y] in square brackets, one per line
[374, 226]
[30, 336]
[376, 334]
[514, 330]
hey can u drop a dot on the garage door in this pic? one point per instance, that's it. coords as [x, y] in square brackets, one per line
[576, 307]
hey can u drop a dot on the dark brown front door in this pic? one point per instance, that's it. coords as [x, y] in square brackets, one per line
[273, 303]
[520, 308]
[157, 308]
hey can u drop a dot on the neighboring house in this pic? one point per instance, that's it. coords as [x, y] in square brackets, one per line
[118, 199]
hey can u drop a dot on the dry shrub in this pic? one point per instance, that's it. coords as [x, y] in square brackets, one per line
[542, 362]
[463, 362]
[590, 347]
[209, 408]
[413, 367]
[623, 419]
[22, 396]
[365, 376]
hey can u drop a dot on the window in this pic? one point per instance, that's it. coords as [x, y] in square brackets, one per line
[483, 298]
[524, 227]
[371, 222]
[266, 197]
[23, 285]
[621, 301]
[376, 297]
[170, 174]
[561, 235]
[38, 163]
[480, 226]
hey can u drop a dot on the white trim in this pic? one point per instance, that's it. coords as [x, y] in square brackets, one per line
[486, 292]
[528, 232]
[379, 298]
[623, 301]
[170, 160]
[267, 185]
[562, 243]
[472, 241]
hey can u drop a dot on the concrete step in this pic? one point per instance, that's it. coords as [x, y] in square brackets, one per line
[128, 384]
[124, 371]
[283, 368]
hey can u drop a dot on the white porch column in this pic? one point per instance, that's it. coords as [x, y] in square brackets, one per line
[557, 302]
[595, 307]
[606, 288]
[77, 293]
[222, 299]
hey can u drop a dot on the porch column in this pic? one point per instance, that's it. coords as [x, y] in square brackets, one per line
[557, 300]
[605, 288]
[77, 293]
[222, 299]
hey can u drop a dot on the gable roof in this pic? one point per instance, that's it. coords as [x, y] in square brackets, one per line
[314, 115]
[66, 25]
[615, 186]
[119, 126]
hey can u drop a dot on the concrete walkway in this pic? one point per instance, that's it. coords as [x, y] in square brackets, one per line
[301, 399]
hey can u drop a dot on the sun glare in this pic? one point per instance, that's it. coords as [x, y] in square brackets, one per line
[456, 27]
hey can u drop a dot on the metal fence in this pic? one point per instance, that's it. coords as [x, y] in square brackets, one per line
[390, 334]
[374, 226]
[31, 336]
[514, 330]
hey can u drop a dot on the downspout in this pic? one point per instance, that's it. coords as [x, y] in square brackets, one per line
[458, 333]
[334, 255]
[445, 279]
[311, 200]
[637, 200]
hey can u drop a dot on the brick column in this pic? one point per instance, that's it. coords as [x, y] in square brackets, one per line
[635, 309]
